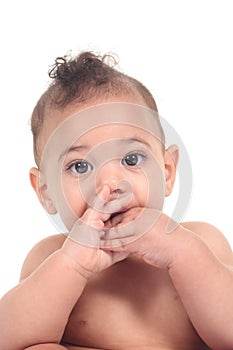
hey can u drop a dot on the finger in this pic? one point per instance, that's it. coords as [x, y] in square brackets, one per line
[113, 221]
[96, 213]
[118, 244]
[124, 217]
[124, 234]
[100, 200]
[85, 234]
[103, 208]
[86, 231]
[117, 204]
[117, 236]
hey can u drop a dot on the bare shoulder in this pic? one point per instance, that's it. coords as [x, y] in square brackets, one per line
[214, 238]
[40, 252]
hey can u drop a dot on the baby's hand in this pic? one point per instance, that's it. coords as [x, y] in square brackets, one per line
[146, 232]
[84, 240]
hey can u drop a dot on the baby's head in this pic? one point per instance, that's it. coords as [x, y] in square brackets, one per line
[80, 82]
[96, 126]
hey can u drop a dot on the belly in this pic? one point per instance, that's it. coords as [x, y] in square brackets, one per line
[131, 306]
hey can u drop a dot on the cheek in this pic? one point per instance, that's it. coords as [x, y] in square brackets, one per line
[70, 203]
[140, 187]
[148, 190]
[154, 185]
[74, 198]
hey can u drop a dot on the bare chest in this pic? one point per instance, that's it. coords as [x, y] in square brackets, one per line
[131, 305]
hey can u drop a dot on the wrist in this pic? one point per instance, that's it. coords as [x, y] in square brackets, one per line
[183, 244]
[81, 257]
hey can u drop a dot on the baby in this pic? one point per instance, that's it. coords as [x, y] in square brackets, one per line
[125, 276]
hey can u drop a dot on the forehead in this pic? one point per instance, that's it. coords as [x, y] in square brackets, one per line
[104, 121]
[115, 131]
[124, 114]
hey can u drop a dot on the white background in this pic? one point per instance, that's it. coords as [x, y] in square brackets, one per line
[181, 50]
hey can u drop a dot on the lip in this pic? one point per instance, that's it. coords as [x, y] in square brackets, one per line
[124, 210]
[113, 215]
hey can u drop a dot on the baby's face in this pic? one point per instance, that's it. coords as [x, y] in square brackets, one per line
[113, 144]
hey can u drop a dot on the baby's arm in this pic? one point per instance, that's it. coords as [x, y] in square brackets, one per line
[199, 261]
[37, 310]
[203, 276]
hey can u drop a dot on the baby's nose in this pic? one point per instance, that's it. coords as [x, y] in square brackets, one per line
[114, 177]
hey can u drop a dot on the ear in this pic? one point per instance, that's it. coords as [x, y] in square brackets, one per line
[170, 160]
[40, 187]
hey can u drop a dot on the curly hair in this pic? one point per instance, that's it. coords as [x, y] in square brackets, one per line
[81, 79]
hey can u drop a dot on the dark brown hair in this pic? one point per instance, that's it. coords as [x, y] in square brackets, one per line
[79, 80]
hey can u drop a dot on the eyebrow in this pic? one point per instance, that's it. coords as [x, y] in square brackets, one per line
[73, 149]
[136, 139]
[86, 147]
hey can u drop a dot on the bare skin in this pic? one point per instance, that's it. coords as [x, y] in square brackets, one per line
[131, 295]
[140, 302]
[158, 291]
[137, 314]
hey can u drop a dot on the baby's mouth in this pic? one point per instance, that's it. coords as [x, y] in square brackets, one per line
[115, 218]
[113, 215]
[119, 212]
